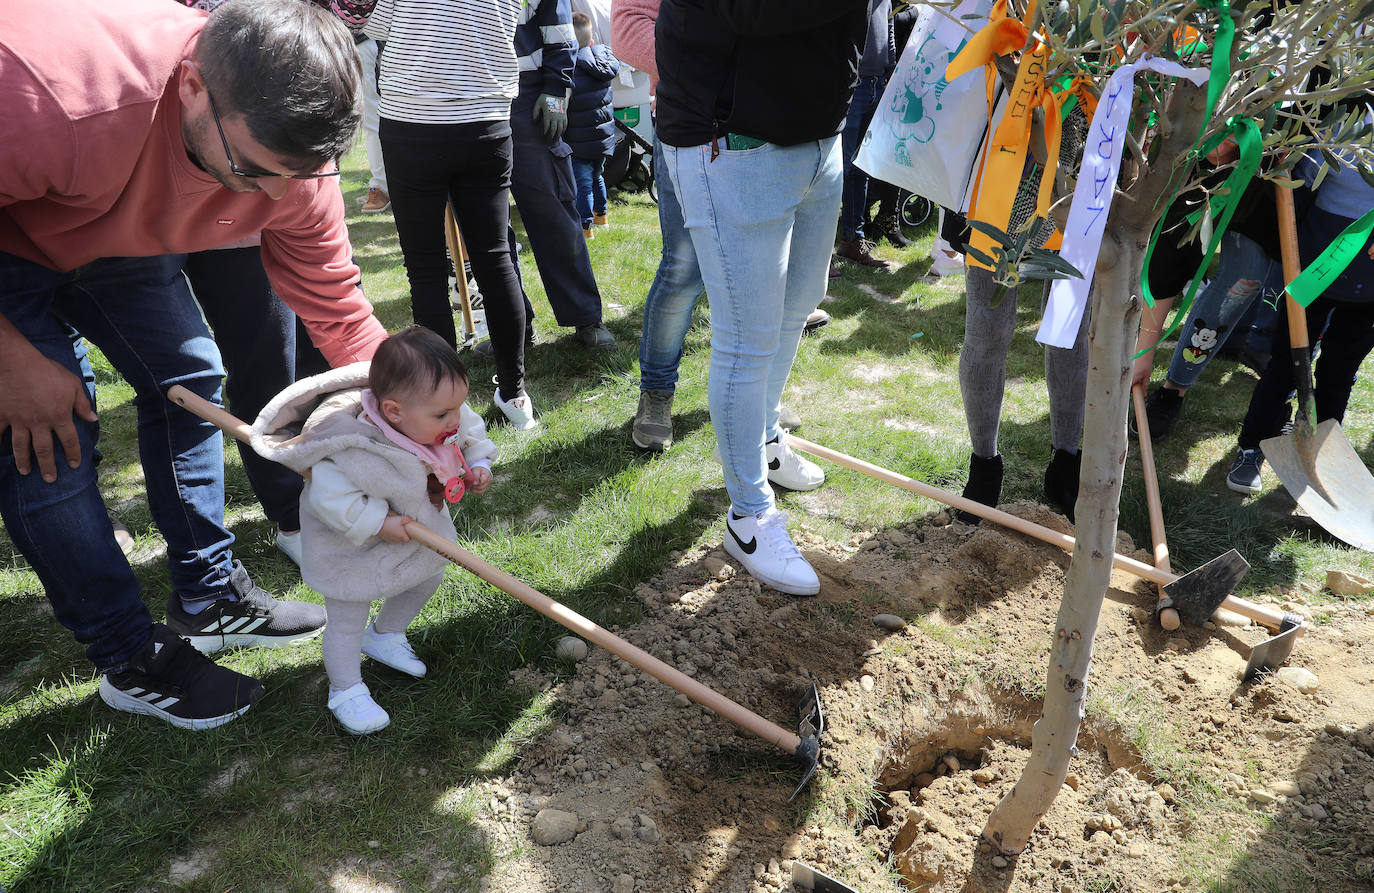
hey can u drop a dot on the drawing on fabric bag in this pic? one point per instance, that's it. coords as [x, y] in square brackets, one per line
[919, 98]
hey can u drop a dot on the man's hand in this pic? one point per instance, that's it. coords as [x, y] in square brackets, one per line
[37, 400]
[551, 113]
[481, 479]
[394, 529]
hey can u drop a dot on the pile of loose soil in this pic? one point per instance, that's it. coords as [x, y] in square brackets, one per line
[1181, 771]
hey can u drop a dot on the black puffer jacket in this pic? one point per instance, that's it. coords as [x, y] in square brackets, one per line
[591, 125]
[776, 70]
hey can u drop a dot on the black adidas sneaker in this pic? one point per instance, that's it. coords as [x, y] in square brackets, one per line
[174, 682]
[256, 619]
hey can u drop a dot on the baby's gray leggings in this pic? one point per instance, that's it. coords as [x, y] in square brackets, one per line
[343, 634]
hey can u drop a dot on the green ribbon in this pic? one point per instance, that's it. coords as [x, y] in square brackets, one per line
[1219, 75]
[1251, 144]
[1247, 136]
[1331, 263]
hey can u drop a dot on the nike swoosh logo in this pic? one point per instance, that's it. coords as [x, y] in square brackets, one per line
[748, 547]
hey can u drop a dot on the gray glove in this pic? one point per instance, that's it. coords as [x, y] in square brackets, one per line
[551, 113]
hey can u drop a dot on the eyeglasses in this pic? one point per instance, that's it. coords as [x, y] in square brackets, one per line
[258, 175]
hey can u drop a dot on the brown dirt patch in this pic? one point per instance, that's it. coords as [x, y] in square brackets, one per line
[1183, 774]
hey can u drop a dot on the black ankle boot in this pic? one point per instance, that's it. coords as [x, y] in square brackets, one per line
[1061, 481]
[984, 484]
[890, 228]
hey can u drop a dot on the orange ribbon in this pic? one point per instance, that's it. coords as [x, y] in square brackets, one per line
[1000, 169]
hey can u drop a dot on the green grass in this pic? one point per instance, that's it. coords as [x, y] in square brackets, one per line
[95, 800]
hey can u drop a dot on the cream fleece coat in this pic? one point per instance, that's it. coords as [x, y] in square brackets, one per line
[319, 418]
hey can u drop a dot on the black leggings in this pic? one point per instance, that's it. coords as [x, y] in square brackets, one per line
[1346, 332]
[468, 165]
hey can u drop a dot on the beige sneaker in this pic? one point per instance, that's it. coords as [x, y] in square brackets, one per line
[601, 221]
[377, 201]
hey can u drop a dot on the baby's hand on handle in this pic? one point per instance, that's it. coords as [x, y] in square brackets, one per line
[480, 479]
[394, 528]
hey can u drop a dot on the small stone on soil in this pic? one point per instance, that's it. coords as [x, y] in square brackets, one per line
[553, 826]
[889, 622]
[571, 648]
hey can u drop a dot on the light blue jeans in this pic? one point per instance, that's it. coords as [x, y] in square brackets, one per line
[762, 222]
[676, 287]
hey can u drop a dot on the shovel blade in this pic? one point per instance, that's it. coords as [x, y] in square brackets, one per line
[1326, 478]
[1197, 594]
[1271, 654]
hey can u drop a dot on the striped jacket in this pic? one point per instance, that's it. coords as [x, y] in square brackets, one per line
[545, 47]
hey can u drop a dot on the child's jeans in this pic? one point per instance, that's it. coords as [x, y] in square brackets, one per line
[591, 188]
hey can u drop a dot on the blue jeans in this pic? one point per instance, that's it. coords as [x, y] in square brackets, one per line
[140, 313]
[591, 188]
[867, 94]
[256, 334]
[1245, 274]
[762, 221]
[674, 292]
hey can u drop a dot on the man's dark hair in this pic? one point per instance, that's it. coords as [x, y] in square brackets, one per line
[412, 360]
[290, 69]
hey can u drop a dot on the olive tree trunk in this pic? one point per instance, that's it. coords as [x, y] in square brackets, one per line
[1116, 305]
[1112, 331]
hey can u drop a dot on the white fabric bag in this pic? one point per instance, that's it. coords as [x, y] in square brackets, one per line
[927, 132]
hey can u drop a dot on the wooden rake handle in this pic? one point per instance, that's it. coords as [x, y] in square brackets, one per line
[1168, 617]
[559, 613]
[1267, 616]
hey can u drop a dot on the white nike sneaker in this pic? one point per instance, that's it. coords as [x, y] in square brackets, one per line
[787, 469]
[519, 410]
[761, 543]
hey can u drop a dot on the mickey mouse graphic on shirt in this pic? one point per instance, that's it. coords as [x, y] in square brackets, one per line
[1204, 341]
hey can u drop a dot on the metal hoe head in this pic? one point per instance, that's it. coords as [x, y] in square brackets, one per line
[810, 725]
[1272, 653]
[1197, 594]
[1324, 474]
[806, 878]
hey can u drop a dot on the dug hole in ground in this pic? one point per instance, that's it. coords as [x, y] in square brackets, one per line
[1185, 777]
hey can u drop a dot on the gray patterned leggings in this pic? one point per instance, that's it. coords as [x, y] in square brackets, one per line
[983, 369]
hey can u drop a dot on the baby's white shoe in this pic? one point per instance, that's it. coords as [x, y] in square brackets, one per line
[392, 649]
[356, 711]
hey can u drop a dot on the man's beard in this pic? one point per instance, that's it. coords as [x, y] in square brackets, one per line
[195, 134]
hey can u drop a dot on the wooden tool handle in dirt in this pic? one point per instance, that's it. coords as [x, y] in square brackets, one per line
[1260, 614]
[622, 649]
[559, 613]
[1168, 617]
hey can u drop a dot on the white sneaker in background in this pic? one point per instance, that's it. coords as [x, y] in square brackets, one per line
[519, 410]
[787, 469]
[762, 545]
[945, 261]
[290, 545]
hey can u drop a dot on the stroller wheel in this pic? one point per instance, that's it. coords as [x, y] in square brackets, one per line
[915, 209]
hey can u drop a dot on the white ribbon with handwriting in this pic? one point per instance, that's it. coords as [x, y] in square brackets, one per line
[1092, 196]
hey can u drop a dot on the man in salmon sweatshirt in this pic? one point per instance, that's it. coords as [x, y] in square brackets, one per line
[136, 132]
